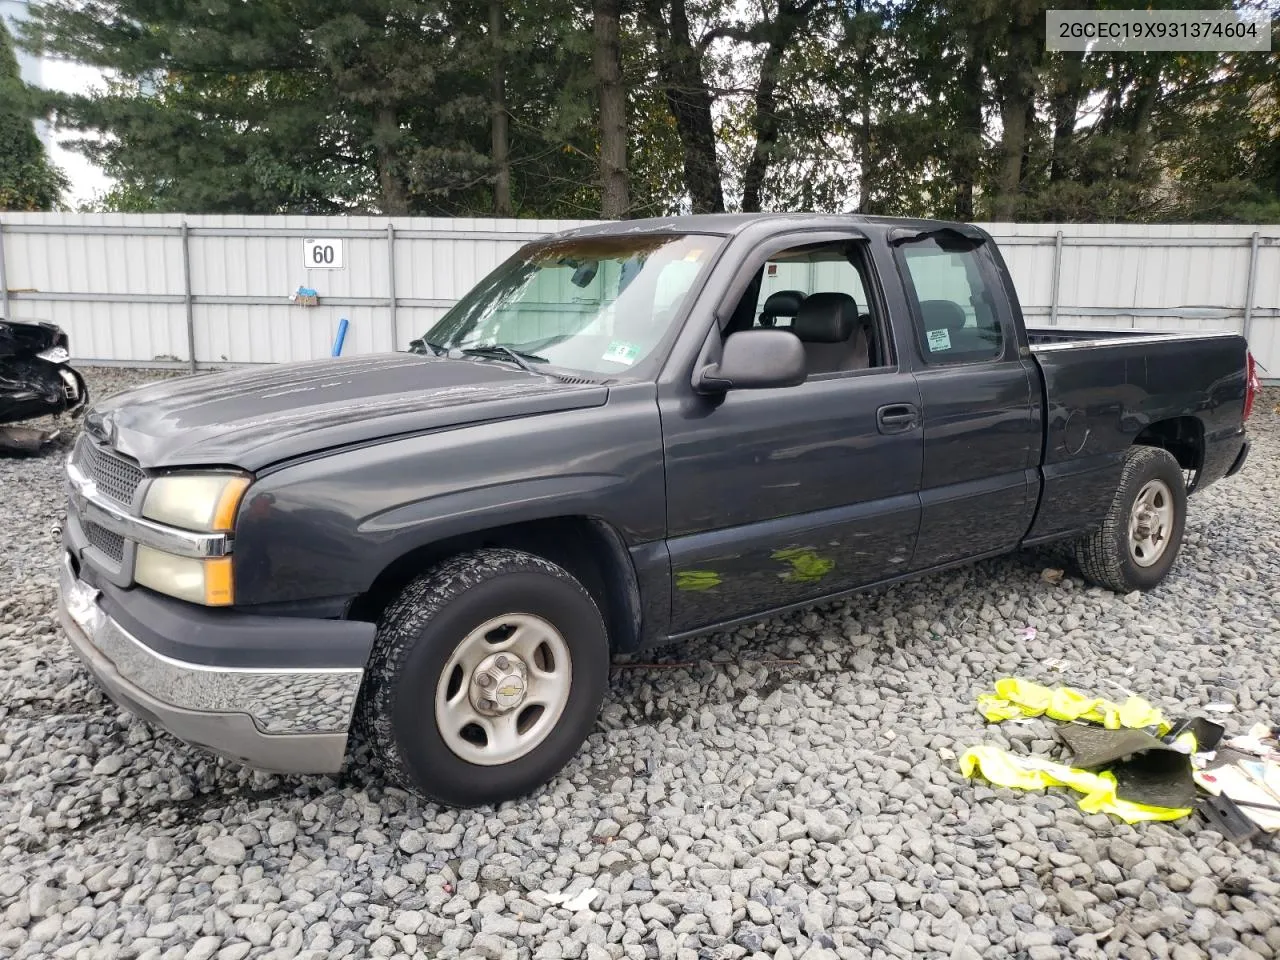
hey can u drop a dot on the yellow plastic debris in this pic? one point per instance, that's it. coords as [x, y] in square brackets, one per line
[1015, 697]
[1004, 769]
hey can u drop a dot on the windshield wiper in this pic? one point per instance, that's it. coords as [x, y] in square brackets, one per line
[518, 357]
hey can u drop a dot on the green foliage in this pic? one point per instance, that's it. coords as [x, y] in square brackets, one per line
[948, 108]
[1225, 163]
[906, 108]
[654, 162]
[28, 181]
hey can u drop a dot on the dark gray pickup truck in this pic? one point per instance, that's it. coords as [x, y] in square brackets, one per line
[626, 435]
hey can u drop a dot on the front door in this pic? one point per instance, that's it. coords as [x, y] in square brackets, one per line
[780, 496]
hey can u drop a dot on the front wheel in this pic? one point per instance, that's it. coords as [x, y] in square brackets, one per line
[1139, 539]
[487, 674]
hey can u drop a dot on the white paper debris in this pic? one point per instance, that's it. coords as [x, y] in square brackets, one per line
[573, 901]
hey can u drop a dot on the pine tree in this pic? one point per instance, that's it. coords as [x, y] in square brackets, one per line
[28, 180]
[304, 106]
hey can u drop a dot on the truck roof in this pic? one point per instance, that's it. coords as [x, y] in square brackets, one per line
[728, 224]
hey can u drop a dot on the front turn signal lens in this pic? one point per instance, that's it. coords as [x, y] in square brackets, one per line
[218, 589]
[224, 514]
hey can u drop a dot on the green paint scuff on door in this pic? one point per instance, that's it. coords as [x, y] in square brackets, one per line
[697, 580]
[807, 566]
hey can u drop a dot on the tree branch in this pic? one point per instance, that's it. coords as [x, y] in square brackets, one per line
[756, 33]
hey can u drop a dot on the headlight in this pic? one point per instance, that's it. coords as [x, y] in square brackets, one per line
[206, 502]
[207, 582]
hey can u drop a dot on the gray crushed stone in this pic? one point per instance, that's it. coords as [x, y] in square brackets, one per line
[728, 804]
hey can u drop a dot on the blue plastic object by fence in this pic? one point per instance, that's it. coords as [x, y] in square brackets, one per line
[342, 335]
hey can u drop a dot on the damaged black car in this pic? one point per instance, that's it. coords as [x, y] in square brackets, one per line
[36, 380]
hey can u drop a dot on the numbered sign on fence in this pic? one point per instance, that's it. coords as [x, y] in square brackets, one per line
[323, 253]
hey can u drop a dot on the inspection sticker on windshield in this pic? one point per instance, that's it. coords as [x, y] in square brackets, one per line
[939, 340]
[622, 352]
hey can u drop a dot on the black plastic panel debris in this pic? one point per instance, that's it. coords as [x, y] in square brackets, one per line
[36, 380]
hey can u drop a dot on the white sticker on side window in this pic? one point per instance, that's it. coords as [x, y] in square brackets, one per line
[939, 340]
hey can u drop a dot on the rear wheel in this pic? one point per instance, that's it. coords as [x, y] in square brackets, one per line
[487, 675]
[1139, 539]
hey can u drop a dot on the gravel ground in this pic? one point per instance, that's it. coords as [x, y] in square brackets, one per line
[729, 802]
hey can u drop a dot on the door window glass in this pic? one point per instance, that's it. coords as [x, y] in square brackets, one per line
[817, 291]
[959, 320]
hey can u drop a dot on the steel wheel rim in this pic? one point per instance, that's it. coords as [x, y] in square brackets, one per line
[480, 713]
[1150, 523]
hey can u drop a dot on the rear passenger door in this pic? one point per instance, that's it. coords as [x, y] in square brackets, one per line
[979, 397]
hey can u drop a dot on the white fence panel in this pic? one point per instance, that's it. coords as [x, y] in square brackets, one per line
[147, 289]
[1151, 276]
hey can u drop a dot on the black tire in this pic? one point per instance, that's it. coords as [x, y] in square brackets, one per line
[417, 635]
[1104, 556]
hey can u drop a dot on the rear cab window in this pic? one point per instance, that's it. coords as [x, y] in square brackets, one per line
[955, 299]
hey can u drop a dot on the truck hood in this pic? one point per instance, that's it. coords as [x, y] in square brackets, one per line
[255, 417]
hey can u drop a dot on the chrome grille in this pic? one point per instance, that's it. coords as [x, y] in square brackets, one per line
[115, 476]
[110, 544]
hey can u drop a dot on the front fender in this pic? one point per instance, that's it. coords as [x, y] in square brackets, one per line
[325, 528]
[493, 504]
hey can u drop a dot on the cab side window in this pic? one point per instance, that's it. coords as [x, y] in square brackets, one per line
[958, 319]
[820, 293]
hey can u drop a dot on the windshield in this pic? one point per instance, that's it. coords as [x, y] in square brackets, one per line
[596, 304]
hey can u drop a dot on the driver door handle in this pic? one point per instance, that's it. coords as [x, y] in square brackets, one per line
[897, 418]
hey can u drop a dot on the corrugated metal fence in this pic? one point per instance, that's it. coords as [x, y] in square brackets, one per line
[211, 290]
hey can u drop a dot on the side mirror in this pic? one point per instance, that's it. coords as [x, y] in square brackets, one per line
[754, 360]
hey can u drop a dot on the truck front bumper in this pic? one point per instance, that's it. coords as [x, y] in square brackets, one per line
[283, 719]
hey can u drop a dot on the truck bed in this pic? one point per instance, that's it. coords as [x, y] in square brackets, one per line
[1104, 390]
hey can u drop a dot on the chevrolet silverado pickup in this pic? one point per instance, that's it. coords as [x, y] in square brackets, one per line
[626, 435]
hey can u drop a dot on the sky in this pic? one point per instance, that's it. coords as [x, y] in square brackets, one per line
[87, 180]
